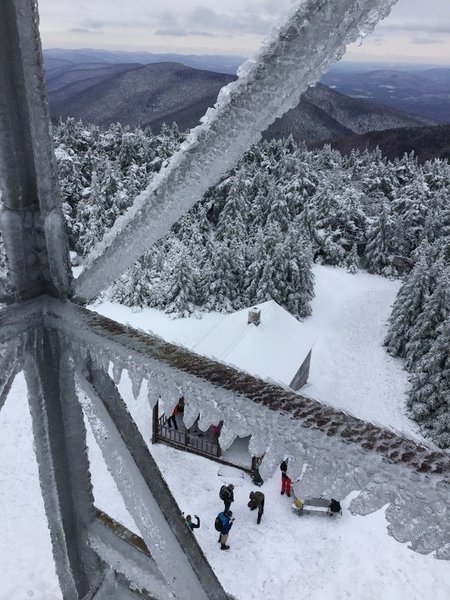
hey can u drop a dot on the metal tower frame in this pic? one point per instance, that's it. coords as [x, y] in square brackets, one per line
[64, 348]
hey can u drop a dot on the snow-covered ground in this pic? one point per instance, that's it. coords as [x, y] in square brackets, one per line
[349, 368]
[286, 556]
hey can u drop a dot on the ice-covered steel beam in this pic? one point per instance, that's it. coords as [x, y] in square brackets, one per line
[96, 333]
[109, 588]
[145, 492]
[31, 218]
[313, 37]
[117, 547]
[61, 452]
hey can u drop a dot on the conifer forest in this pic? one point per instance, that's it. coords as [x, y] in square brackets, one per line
[256, 235]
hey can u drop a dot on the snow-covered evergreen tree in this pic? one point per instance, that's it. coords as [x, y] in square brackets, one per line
[409, 304]
[134, 288]
[381, 242]
[411, 206]
[181, 293]
[436, 310]
[429, 398]
[353, 260]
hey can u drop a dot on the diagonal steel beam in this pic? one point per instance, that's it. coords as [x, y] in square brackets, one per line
[30, 216]
[61, 452]
[128, 555]
[113, 586]
[312, 38]
[146, 494]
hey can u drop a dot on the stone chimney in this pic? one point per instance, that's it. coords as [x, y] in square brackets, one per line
[254, 316]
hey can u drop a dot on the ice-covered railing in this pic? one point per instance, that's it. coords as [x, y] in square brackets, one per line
[336, 452]
[314, 36]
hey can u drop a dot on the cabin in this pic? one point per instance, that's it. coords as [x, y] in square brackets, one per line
[265, 341]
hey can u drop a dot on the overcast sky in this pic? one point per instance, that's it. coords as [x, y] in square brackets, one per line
[416, 30]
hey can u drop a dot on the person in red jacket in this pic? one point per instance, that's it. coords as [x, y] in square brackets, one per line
[172, 418]
[285, 479]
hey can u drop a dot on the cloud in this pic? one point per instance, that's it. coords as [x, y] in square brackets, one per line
[93, 24]
[172, 31]
[244, 21]
[204, 34]
[425, 41]
[167, 19]
[415, 27]
[179, 32]
[82, 30]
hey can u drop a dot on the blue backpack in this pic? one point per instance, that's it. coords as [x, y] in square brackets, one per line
[220, 522]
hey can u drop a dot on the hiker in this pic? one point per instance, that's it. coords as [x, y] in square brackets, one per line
[224, 522]
[227, 495]
[216, 430]
[285, 479]
[180, 405]
[190, 523]
[257, 502]
[172, 419]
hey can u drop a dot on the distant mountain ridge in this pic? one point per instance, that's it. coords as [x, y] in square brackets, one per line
[58, 57]
[412, 88]
[427, 143]
[153, 94]
[424, 92]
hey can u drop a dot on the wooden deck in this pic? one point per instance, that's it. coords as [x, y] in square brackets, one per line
[191, 440]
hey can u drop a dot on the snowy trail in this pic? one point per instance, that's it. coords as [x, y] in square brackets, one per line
[350, 369]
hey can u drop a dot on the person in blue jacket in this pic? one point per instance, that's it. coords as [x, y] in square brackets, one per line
[226, 521]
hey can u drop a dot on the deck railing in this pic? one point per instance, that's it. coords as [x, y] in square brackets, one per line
[186, 439]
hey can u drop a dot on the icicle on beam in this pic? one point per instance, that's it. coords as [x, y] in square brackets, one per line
[313, 37]
[10, 365]
[61, 452]
[146, 494]
[31, 218]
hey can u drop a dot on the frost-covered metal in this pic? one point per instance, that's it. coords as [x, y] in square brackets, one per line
[31, 219]
[55, 341]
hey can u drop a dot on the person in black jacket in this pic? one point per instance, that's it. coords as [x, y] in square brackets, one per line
[190, 523]
[227, 495]
[257, 502]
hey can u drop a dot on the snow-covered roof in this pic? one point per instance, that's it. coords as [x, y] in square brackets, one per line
[272, 350]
